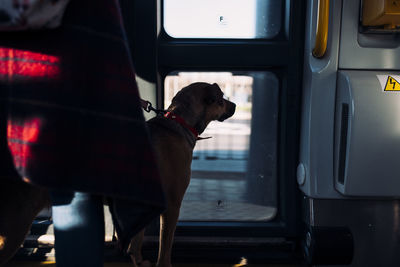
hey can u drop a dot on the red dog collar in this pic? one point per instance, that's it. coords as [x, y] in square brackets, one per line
[182, 122]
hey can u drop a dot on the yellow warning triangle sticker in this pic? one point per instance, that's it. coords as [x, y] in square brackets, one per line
[392, 84]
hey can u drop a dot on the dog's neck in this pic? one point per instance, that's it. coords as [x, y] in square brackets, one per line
[195, 121]
[191, 128]
[181, 121]
[176, 127]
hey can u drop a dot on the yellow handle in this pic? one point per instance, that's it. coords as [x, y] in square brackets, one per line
[321, 38]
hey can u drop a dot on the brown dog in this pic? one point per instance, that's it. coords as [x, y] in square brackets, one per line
[192, 109]
[174, 137]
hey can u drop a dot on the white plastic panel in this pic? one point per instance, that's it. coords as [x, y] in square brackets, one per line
[365, 50]
[367, 141]
[315, 171]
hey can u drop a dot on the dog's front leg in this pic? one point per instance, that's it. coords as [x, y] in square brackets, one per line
[168, 221]
[135, 250]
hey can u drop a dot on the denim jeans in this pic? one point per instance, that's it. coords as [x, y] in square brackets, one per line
[78, 220]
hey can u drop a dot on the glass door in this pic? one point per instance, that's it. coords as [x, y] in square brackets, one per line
[243, 180]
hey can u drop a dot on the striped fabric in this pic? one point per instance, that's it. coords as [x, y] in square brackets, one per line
[70, 116]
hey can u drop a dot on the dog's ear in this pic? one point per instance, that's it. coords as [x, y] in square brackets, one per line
[213, 95]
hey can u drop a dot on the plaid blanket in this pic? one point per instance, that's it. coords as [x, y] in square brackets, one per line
[70, 116]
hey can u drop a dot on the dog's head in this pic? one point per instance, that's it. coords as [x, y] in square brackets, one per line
[200, 103]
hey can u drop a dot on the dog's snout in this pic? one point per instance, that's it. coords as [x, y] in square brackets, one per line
[230, 108]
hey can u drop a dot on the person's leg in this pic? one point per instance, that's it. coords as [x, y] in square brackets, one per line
[78, 220]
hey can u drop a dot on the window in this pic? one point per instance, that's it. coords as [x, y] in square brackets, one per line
[234, 174]
[247, 19]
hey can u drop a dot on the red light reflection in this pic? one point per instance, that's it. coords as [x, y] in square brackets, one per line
[20, 138]
[16, 63]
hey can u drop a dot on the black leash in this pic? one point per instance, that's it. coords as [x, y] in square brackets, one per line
[146, 105]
